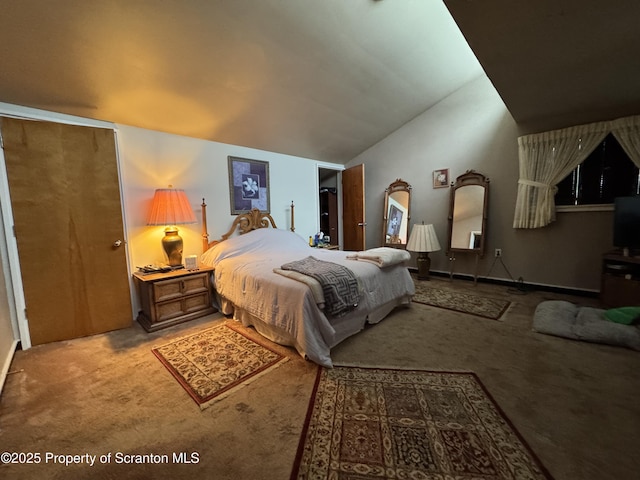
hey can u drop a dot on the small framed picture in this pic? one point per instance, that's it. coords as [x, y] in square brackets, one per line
[248, 185]
[441, 178]
[394, 222]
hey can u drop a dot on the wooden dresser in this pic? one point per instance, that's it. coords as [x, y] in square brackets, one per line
[170, 298]
[620, 284]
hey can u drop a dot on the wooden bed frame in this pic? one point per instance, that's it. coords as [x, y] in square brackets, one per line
[244, 223]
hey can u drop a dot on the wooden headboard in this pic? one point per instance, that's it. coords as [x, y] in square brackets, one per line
[244, 223]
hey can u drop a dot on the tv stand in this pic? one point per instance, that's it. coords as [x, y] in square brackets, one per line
[620, 281]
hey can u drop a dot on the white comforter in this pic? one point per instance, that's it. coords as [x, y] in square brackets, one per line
[244, 276]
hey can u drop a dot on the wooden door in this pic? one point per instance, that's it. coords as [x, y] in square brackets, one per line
[353, 214]
[65, 196]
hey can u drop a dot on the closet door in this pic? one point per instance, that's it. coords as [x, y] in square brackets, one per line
[353, 221]
[65, 197]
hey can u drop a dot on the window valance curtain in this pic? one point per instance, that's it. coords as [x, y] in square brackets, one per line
[546, 158]
[627, 132]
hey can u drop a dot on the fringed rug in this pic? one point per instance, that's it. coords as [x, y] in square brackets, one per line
[460, 302]
[380, 423]
[212, 363]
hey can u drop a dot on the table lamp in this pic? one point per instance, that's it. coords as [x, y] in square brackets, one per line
[171, 207]
[423, 240]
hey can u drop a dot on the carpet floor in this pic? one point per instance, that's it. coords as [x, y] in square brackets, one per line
[109, 396]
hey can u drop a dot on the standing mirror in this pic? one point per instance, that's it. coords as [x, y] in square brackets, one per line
[468, 209]
[397, 213]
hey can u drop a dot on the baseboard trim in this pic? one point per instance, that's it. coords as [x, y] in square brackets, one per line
[519, 286]
[7, 363]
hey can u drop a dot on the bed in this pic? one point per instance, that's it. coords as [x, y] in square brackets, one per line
[289, 311]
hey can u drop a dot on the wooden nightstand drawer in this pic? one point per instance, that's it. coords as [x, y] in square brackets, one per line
[182, 306]
[178, 287]
[174, 297]
[166, 290]
[168, 310]
[197, 302]
[196, 284]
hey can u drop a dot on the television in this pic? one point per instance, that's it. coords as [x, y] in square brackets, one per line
[626, 224]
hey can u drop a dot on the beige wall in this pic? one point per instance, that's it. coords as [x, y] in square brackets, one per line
[150, 160]
[472, 129]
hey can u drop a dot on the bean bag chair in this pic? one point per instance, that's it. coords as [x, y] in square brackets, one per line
[612, 327]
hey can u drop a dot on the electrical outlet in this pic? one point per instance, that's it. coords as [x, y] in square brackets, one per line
[498, 252]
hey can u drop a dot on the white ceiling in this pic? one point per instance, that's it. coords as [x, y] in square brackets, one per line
[323, 79]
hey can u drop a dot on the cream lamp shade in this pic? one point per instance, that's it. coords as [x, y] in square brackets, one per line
[171, 207]
[423, 240]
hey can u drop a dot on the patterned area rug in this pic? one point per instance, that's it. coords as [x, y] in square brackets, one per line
[214, 362]
[379, 423]
[460, 302]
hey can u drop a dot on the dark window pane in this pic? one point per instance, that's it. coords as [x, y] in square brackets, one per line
[607, 173]
[567, 190]
[591, 178]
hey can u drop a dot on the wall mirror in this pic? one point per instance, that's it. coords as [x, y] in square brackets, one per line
[397, 213]
[468, 210]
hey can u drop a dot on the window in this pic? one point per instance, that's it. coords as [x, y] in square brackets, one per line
[605, 174]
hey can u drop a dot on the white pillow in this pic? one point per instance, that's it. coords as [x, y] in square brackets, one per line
[262, 240]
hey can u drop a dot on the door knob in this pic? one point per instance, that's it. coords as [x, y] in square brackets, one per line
[362, 224]
[117, 243]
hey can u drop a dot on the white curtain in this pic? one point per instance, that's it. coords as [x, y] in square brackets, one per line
[545, 159]
[627, 132]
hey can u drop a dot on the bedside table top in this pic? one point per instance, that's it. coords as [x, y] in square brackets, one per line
[150, 277]
[327, 247]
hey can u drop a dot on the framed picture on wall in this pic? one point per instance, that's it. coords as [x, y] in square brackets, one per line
[248, 185]
[441, 178]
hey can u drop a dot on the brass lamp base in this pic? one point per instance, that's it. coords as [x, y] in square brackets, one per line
[424, 264]
[172, 244]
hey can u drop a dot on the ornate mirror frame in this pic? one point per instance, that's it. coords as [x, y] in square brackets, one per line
[468, 212]
[396, 214]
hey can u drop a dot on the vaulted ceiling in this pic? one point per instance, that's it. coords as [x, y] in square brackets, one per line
[323, 79]
[557, 63]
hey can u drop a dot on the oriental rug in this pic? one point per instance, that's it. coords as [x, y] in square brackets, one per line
[366, 423]
[213, 363]
[460, 302]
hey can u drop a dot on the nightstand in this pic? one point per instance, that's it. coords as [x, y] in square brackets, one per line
[170, 298]
[328, 247]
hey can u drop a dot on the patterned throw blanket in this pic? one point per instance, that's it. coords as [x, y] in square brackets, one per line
[339, 284]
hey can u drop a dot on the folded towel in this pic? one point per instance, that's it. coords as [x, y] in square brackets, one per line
[381, 256]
